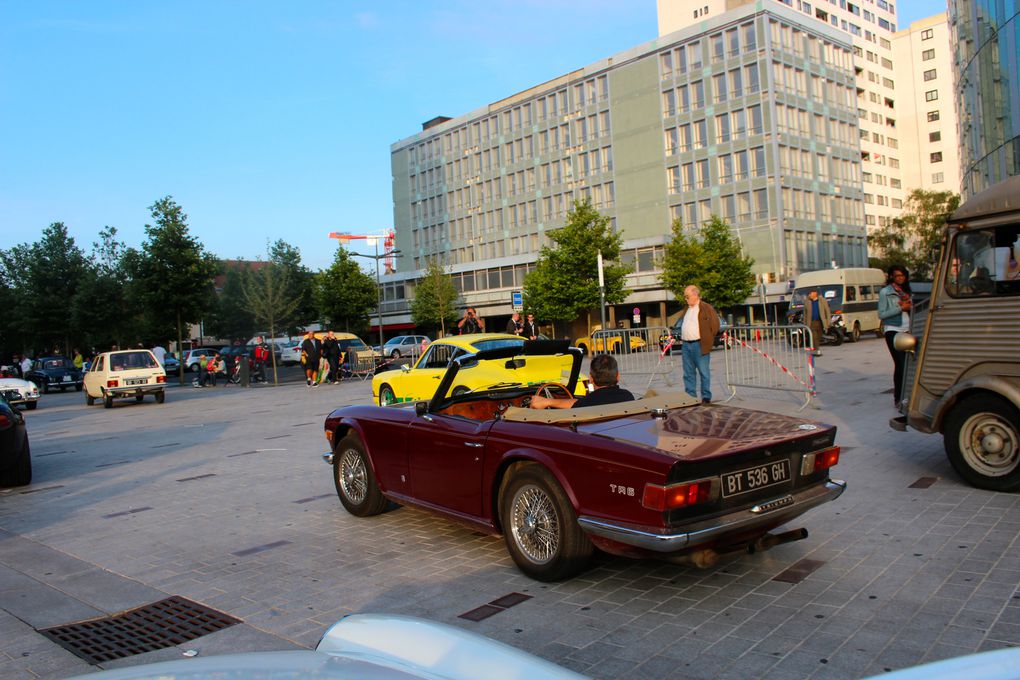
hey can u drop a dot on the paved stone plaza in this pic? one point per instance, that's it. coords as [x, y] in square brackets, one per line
[220, 496]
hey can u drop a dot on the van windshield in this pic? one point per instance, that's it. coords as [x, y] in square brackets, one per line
[832, 293]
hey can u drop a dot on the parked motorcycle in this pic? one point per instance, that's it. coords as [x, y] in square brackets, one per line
[834, 335]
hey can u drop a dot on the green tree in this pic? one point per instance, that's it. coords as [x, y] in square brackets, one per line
[299, 284]
[565, 283]
[102, 313]
[344, 294]
[268, 292]
[231, 317]
[172, 274]
[435, 298]
[913, 239]
[711, 260]
[44, 277]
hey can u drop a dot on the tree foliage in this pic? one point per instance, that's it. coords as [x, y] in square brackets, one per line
[299, 284]
[231, 317]
[913, 239]
[344, 294]
[172, 274]
[565, 283]
[436, 299]
[711, 260]
[268, 293]
[102, 313]
[43, 278]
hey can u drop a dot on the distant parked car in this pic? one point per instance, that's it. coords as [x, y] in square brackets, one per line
[193, 357]
[15, 457]
[20, 392]
[402, 346]
[128, 373]
[54, 373]
[170, 363]
[290, 354]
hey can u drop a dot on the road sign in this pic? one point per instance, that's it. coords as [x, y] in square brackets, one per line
[517, 300]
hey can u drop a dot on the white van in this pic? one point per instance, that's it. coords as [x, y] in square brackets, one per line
[852, 292]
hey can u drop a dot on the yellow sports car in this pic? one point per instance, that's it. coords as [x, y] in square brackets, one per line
[420, 381]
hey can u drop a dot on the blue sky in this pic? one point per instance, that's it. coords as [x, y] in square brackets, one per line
[264, 120]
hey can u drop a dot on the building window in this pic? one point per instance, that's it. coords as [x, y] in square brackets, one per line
[936, 157]
[928, 55]
[933, 116]
[931, 95]
[929, 75]
[935, 136]
[937, 178]
[927, 34]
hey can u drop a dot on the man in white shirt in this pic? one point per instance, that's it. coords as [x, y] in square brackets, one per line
[26, 365]
[697, 334]
[160, 354]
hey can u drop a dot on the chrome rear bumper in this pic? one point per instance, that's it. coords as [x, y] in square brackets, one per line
[764, 514]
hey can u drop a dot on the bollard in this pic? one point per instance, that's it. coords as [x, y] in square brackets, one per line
[245, 370]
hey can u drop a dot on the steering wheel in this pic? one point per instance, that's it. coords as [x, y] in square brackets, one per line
[549, 389]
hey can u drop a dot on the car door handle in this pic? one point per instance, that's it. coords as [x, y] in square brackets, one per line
[474, 445]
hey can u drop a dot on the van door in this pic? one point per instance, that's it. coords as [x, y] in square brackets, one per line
[974, 321]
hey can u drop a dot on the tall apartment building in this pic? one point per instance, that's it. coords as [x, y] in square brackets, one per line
[869, 25]
[986, 44]
[926, 110]
[749, 115]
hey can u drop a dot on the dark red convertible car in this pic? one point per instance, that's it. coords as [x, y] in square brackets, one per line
[660, 476]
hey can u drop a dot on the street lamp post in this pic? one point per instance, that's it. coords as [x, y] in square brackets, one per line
[378, 282]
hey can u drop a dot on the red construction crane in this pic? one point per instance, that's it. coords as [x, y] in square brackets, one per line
[388, 239]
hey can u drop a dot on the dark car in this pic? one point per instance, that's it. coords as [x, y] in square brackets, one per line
[660, 476]
[52, 373]
[15, 457]
[674, 333]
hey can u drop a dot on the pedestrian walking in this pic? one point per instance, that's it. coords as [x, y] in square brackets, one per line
[817, 316]
[26, 365]
[77, 359]
[699, 324]
[310, 355]
[331, 352]
[261, 353]
[160, 353]
[894, 307]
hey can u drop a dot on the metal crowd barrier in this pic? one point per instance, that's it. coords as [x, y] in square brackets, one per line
[771, 358]
[362, 365]
[639, 352]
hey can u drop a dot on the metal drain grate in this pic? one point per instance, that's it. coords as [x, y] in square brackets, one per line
[159, 625]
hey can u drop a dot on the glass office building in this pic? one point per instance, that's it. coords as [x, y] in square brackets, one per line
[750, 116]
[986, 35]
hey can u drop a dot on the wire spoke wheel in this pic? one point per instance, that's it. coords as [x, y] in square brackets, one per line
[535, 524]
[352, 476]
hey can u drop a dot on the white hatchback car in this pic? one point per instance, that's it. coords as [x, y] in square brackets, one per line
[127, 373]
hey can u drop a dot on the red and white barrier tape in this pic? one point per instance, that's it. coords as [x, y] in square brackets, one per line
[727, 338]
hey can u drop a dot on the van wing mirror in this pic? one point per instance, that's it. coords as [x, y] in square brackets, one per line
[905, 342]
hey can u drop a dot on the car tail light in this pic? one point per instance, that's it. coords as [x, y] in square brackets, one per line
[674, 496]
[4, 421]
[161, 378]
[819, 460]
[111, 383]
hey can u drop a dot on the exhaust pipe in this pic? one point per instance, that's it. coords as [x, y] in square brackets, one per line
[772, 540]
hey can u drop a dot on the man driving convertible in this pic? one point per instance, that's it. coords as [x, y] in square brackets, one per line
[605, 374]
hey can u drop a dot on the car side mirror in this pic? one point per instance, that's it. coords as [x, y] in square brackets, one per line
[421, 408]
[406, 368]
[904, 342]
[512, 364]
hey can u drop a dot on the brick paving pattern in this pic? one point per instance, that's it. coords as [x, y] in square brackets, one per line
[220, 496]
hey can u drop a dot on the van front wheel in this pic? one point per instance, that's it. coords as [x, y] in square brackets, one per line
[982, 440]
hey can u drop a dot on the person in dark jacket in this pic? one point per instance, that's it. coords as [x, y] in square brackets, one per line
[331, 350]
[605, 375]
[310, 355]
